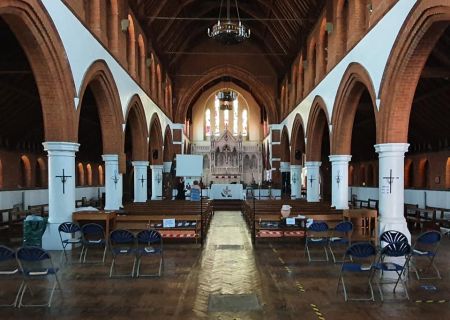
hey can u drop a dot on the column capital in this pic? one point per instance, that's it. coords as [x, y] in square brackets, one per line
[296, 166]
[167, 166]
[62, 146]
[313, 164]
[391, 148]
[340, 158]
[156, 166]
[140, 163]
[110, 157]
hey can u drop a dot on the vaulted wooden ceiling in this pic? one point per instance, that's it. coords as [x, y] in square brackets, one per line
[278, 27]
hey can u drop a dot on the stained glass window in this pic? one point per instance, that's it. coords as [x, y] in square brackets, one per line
[208, 122]
[244, 122]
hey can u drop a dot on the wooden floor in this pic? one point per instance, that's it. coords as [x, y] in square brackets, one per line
[275, 277]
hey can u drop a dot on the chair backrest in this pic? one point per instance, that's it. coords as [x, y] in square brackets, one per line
[344, 226]
[68, 227]
[396, 249]
[93, 230]
[121, 236]
[429, 237]
[6, 253]
[149, 236]
[392, 236]
[31, 254]
[361, 250]
[318, 226]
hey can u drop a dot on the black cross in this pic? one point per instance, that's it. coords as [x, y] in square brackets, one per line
[311, 180]
[390, 180]
[115, 179]
[142, 180]
[63, 180]
[338, 178]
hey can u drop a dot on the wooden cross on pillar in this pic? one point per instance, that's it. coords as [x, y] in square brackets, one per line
[63, 178]
[338, 178]
[311, 179]
[142, 181]
[390, 180]
[115, 179]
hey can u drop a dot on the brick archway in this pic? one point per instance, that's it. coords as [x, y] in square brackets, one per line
[39, 39]
[297, 140]
[285, 151]
[155, 141]
[318, 119]
[354, 82]
[417, 38]
[258, 89]
[168, 152]
[106, 95]
[135, 118]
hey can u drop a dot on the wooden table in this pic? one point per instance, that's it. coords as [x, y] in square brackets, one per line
[109, 217]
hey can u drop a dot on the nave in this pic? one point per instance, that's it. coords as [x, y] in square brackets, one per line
[231, 279]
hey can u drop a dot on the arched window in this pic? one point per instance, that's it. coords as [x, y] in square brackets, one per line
[25, 172]
[40, 173]
[226, 118]
[447, 173]
[89, 174]
[408, 177]
[131, 47]
[423, 174]
[362, 175]
[350, 175]
[1, 174]
[235, 117]
[244, 122]
[80, 174]
[208, 122]
[370, 182]
[216, 117]
[101, 178]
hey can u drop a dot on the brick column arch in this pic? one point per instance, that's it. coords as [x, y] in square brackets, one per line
[104, 89]
[297, 139]
[354, 82]
[135, 118]
[39, 39]
[417, 38]
[318, 119]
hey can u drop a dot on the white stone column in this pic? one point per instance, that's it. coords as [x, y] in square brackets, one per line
[339, 178]
[61, 189]
[391, 187]
[312, 181]
[113, 182]
[296, 181]
[140, 180]
[157, 180]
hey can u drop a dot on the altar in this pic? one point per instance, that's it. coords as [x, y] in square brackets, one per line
[226, 191]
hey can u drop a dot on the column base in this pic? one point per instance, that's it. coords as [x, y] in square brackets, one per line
[50, 239]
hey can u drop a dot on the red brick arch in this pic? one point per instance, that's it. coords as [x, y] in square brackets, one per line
[297, 139]
[168, 142]
[417, 38]
[318, 119]
[104, 89]
[40, 41]
[285, 150]
[258, 89]
[354, 82]
[135, 118]
[155, 141]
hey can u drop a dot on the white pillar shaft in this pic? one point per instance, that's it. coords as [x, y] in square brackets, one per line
[391, 187]
[113, 182]
[312, 181]
[296, 181]
[157, 180]
[140, 180]
[339, 185]
[61, 189]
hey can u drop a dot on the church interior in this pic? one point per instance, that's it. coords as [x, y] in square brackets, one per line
[224, 159]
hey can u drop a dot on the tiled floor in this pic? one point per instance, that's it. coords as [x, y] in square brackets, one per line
[274, 277]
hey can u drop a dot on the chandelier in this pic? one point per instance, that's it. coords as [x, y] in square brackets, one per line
[227, 31]
[226, 99]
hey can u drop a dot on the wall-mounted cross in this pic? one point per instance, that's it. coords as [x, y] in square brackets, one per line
[311, 180]
[142, 181]
[390, 180]
[115, 179]
[63, 178]
[338, 178]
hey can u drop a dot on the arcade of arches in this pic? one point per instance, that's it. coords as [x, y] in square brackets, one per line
[328, 107]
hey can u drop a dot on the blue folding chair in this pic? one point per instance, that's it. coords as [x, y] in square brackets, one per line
[36, 265]
[317, 234]
[392, 236]
[393, 250]
[122, 243]
[70, 234]
[9, 272]
[93, 236]
[149, 243]
[426, 248]
[340, 236]
[358, 260]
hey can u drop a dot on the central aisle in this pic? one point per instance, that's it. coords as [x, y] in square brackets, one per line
[228, 279]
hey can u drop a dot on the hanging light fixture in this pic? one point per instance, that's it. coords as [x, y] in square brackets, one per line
[227, 31]
[226, 98]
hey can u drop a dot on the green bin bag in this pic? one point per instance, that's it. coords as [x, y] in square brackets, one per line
[33, 230]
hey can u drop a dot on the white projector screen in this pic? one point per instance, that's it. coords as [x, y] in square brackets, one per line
[189, 165]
